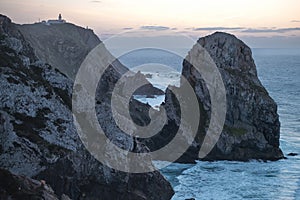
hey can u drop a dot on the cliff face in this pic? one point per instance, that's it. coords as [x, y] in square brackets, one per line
[38, 137]
[252, 127]
[63, 46]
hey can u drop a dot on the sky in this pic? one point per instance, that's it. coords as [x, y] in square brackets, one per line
[261, 23]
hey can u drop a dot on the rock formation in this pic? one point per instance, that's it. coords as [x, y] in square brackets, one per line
[38, 137]
[63, 46]
[20, 187]
[252, 127]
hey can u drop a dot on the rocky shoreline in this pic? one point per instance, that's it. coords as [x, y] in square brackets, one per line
[38, 137]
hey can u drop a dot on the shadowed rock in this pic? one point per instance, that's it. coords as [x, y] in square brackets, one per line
[20, 187]
[38, 137]
[252, 127]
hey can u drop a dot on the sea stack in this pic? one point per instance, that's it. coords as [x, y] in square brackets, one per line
[252, 127]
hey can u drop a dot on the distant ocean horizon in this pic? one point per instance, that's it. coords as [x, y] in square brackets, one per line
[279, 71]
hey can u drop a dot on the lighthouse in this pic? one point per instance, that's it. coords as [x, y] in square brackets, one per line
[59, 20]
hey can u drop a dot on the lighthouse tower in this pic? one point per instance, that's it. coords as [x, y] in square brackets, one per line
[59, 17]
[59, 20]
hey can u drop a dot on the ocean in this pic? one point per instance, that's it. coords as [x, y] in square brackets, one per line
[279, 72]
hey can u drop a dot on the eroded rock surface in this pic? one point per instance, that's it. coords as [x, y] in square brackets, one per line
[20, 187]
[38, 137]
[252, 127]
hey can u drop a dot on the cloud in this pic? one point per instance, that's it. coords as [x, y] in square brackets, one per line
[95, 1]
[271, 30]
[217, 28]
[295, 21]
[127, 28]
[272, 42]
[156, 28]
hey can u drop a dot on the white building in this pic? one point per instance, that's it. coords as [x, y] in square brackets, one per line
[60, 20]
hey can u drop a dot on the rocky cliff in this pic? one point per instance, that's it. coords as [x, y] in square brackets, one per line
[38, 137]
[252, 127]
[63, 46]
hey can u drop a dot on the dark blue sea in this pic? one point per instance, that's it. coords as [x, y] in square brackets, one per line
[279, 72]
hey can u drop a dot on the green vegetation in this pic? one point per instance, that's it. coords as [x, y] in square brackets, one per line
[235, 131]
[252, 85]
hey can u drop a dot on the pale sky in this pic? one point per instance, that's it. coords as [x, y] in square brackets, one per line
[258, 21]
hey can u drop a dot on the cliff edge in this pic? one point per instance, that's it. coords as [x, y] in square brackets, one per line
[38, 137]
[63, 46]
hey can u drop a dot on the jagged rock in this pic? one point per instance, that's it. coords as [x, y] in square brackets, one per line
[64, 46]
[38, 136]
[80, 176]
[293, 154]
[147, 89]
[21, 187]
[251, 129]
